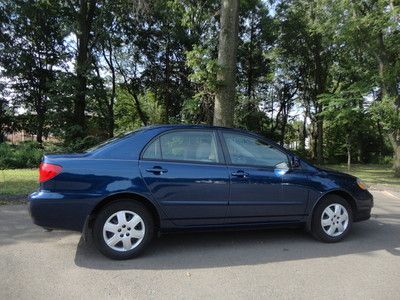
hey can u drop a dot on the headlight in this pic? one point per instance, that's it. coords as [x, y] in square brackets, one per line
[361, 184]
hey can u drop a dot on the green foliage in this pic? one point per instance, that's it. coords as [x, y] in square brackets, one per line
[386, 112]
[204, 74]
[319, 76]
[126, 114]
[23, 155]
[32, 44]
[204, 69]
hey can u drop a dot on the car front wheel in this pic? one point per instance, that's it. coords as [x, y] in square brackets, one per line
[332, 219]
[123, 229]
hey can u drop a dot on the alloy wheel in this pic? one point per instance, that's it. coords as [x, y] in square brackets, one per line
[123, 231]
[334, 220]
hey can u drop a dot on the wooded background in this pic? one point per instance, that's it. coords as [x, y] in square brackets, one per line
[321, 77]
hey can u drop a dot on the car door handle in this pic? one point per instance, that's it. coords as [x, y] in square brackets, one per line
[157, 170]
[240, 174]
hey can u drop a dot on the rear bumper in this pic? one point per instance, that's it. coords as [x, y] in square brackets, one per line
[56, 211]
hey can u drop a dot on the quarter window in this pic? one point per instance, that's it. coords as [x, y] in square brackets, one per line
[153, 151]
[246, 150]
[198, 146]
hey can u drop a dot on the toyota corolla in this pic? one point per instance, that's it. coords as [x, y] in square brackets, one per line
[179, 177]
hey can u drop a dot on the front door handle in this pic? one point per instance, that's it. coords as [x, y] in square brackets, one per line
[157, 170]
[240, 174]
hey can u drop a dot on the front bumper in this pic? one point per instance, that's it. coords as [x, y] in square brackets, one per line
[364, 207]
[60, 211]
[362, 215]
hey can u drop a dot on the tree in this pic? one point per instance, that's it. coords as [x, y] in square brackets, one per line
[201, 20]
[6, 112]
[344, 110]
[226, 73]
[257, 34]
[82, 13]
[33, 49]
[372, 27]
[304, 43]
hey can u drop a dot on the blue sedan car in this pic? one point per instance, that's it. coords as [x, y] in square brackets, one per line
[178, 177]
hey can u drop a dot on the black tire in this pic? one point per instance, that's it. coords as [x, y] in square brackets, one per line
[317, 229]
[108, 211]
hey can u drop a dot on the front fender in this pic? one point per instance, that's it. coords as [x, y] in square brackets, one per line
[337, 191]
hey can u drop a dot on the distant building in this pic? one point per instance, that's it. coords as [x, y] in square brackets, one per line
[23, 136]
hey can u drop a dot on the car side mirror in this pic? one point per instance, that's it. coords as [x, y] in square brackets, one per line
[295, 162]
[281, 169]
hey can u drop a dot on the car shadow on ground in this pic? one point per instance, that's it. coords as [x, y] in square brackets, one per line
[221, 249]
[216, 249]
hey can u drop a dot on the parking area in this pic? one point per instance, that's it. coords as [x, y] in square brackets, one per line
[278, 263]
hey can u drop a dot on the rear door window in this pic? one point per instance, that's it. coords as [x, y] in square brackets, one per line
[185, 145]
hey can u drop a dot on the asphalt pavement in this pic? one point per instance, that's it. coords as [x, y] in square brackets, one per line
[274, 263]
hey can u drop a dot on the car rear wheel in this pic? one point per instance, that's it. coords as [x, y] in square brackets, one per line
[332, 219]
[123, 229]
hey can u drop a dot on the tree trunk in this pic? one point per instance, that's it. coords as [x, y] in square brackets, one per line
[320, 83]
[85, 19]
[250, 79]
[394, 139]
[110, 104]
[2, 120]
[303, 134]
[40, 107]
[396, 160]
[167, 95]
[40, 126]
[139, 109]
[228, 36]
[283, 131]
[320, 139]
[348, 153]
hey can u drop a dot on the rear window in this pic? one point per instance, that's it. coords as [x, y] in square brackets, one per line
[122, 147]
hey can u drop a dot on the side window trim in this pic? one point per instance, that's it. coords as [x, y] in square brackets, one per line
[220, 154]
[227, 155]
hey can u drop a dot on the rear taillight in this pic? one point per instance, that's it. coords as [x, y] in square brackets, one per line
[48, 171]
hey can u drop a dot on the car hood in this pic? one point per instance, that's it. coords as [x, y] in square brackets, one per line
[336, 173]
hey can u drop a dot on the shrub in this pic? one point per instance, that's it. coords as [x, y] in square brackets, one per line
[23, 155]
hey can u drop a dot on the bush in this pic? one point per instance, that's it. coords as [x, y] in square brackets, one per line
[29, 154]
[23, 155]
[382, 160]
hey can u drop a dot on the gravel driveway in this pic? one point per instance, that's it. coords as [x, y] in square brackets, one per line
[275, 263]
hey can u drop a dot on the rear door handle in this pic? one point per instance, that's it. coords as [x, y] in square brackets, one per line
[157, 170]
[240, 174]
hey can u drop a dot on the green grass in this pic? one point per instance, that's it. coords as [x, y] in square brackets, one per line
[17, 182]
[371, 174]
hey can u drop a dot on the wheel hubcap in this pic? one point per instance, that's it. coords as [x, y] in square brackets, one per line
[335, 220]
[123, 230]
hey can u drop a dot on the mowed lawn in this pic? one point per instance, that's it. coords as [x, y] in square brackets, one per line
[371, 174]
[18, 182]
[21, 182]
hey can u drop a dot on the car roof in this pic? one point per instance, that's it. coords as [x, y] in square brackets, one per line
[165, 127]
[189, 126]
